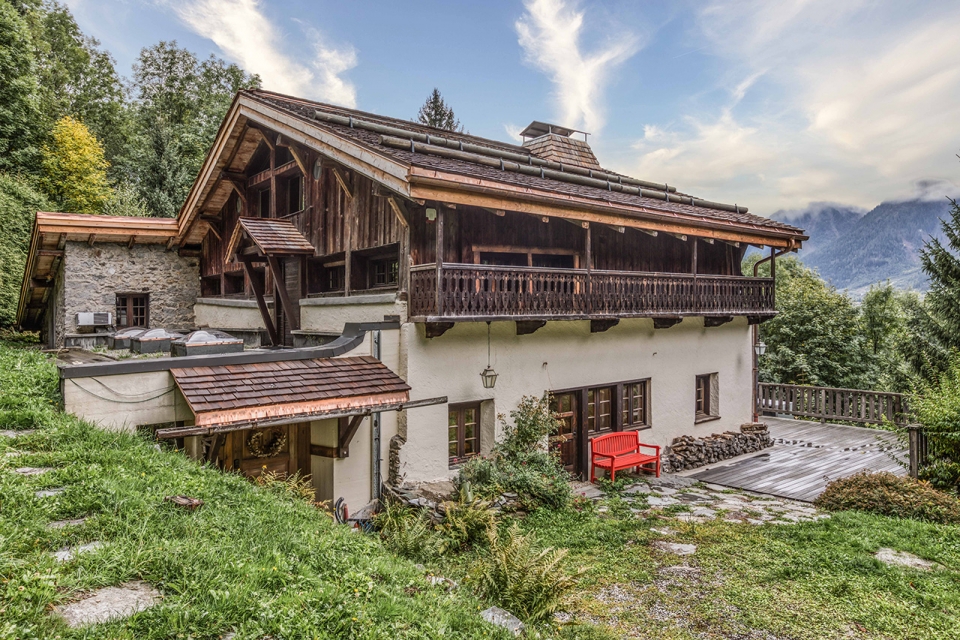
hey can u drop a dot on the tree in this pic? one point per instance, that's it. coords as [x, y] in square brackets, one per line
[74, 168]
[936, 406]
[942, 266]
[179, 103]
[436, 113]
[20, 128]
[19, 201]
[817, 336]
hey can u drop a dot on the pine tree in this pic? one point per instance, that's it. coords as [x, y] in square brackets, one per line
[436, 113]
[942, 265]
[74, 168]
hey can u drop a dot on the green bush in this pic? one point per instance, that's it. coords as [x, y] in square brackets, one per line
[937, 408]
[520, 463]
[529, 582]
[407, 532]
[890, 495]
[466, 521]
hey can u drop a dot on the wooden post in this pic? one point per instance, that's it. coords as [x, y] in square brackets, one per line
[693, 270]
[349, 215]
[284, 296]
[261, 303]
[913, 437]
[439, 260]
[588, 257]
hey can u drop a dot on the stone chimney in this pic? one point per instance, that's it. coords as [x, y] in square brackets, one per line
[553, 142]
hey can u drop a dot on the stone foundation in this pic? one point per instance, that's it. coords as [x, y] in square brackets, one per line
[687, 452]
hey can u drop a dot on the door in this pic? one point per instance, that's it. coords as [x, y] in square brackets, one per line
[565, 410]
[282, 449]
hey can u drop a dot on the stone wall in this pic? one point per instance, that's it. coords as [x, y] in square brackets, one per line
[687, 452]
[94, 275]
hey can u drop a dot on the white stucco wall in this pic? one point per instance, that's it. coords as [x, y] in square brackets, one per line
[564, 355]
[126, 401]
[228, 314]
[328, 315]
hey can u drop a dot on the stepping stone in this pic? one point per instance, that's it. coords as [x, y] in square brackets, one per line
[32, 471]
[653, 501]
[62, 524]
[667, 491]
[689, 517]
[664, 531]
[109, 603]
[680, 571]
[676, 482]
[693, 497]
[503, 618]
[704, 512]
[69, 553]
[47, 493]
[715, 487]
[638, 488]
[675, 548]
[12, 433]
[13, 454]
[892, 558]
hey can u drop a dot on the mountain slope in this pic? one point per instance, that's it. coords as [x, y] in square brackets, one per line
[882, 245]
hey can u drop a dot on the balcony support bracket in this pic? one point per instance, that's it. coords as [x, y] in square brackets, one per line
[437, 329]
[599, 326]
[758, 319]
[666, 322]
[716, 321]
[525, 327]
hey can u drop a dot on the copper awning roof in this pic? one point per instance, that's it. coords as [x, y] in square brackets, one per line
[287, 391]
[271, 236]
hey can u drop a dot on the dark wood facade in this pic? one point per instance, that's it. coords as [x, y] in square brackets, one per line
[494, 264]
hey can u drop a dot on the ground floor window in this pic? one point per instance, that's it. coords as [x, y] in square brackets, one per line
[133, 310]
[463, 432]
[633, 404]
[707, 397]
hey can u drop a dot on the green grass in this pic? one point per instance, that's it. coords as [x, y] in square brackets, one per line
[250, 560]
[263, 564]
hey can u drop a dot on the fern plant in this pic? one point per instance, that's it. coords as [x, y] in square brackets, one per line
[407, 532]
[529, 582]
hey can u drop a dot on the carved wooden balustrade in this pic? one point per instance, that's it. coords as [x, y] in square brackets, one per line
[830, 404]
[470, 291]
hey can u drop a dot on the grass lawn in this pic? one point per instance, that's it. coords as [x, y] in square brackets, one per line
[260, 563]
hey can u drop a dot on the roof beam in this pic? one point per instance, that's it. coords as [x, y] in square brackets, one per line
[342, 181]
[399, 210]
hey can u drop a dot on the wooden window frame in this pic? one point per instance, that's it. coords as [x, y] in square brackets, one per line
[704, 400]
[128, 305]
[627, 409]
[461, 409]
[391, 267]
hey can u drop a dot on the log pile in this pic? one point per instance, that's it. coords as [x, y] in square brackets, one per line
[687, 452]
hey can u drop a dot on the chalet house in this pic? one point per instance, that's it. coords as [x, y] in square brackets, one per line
[397, 262]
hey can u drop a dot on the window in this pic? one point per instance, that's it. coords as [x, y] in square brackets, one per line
[599, 409]
[707, 400]
[463, 432]
[336, 277]
[133, 310]
[385, 273]
[633, 405]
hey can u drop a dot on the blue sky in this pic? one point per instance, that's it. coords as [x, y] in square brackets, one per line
[770, 104]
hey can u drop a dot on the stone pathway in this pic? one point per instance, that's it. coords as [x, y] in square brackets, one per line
[12, 433]
[688, 500]
[109, 603]
[63, 524]
[894, 558]
[32, 471]
[49, 493]
[69, 553]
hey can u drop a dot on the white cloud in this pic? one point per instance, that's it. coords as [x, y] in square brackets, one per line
[246, 36]
[513, 131]
[550, 33]
[857, 101]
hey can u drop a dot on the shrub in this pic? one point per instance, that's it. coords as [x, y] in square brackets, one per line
[466, 521]
[529, 582]
[890, 495]
[937, 408]
[407, 532]
[293, 486]
[520, 462]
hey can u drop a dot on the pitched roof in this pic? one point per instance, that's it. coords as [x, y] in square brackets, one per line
[272, 237]
[52, 230]
[290, 389]
[306, 109]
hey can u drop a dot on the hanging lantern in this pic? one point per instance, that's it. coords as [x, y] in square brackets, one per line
[488, 375]
[760, 348]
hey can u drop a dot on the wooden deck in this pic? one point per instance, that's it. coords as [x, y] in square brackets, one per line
[806, 456]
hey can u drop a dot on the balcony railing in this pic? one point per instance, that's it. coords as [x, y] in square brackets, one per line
[478, 292]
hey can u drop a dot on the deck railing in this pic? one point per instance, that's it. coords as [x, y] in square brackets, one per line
[830, 404]
[486, 291]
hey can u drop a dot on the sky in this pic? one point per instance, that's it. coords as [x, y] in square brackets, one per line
[772, 105]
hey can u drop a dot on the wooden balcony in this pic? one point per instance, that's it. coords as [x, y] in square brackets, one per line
[471, 292]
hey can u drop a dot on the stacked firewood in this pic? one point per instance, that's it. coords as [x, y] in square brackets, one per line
[687, 452]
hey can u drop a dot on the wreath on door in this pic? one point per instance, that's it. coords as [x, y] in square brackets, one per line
[267, 443]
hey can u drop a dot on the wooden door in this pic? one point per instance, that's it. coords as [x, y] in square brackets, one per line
[282, 449]
[565, 409]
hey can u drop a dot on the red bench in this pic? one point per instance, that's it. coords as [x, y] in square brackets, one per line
[622, 450]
